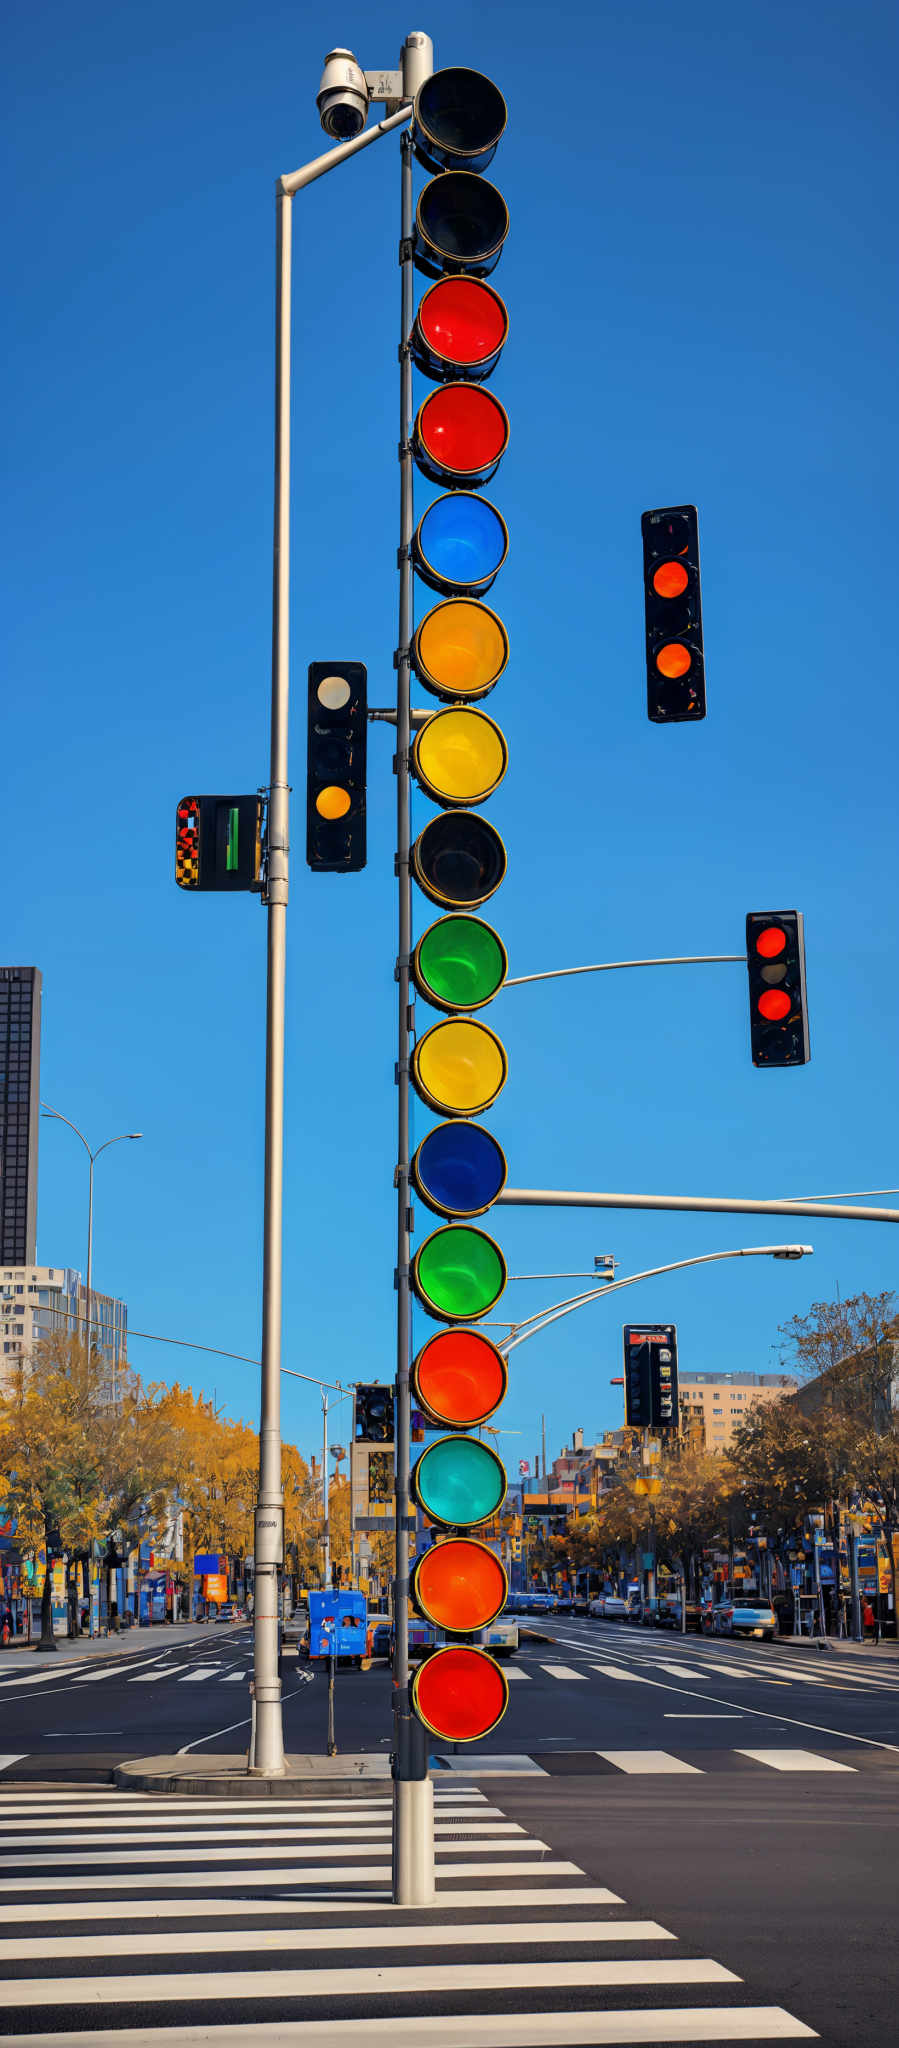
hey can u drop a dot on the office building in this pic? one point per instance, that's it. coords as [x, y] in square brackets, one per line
[36, 1301]
[20, 1071]
[719, 1400]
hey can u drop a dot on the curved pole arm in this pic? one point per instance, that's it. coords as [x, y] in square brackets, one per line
[608, 966]
[567, 1308]
[294, 181]
[72, 1127]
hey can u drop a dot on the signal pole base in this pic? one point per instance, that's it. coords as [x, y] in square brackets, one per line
[413, 1842]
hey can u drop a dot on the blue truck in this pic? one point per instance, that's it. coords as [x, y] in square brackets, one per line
[338, 1618]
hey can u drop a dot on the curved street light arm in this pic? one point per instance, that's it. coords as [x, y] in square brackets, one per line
[566, 1308]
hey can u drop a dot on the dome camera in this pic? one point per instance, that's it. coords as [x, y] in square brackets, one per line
[343, 96]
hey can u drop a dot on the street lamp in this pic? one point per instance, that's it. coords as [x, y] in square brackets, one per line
[92, 1156]
[530, 1325]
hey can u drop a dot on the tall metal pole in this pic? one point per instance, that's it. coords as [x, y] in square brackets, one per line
[90, 1255]
[266, 1755]
[413, 1798]
[326, 1523]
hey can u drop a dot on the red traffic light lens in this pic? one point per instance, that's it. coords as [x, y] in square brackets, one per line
[771, 942]
[670, 579]
[460, 1585]
[460, 433]
[460, 1694]
[673, 660]
[459, 1378]
[774, 1004]
[460, 327]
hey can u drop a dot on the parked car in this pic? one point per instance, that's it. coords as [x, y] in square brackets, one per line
[614, 1608]
[635, 1607]
[670, 1616]
[379, 1626]
[650, 1610]
[746, 1618]
[229, 1611]
[595, 1606]
[297, 1626]
[579, 1604]
[563, 1603]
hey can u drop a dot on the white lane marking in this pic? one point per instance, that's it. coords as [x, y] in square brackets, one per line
[153, 1677]
[682, 2023]
[237, 1909]
[201, 1671]
[794, 1760]
[612, 1671]
[762, 1714]
[18, 1758]
[98, 1799]
[72, 1992]
[705, 1717]
[234, 1677]
[679, 1670]
[33, 1678]
[649, 1763]
[223, 1940]
[495, 1766]
[323, 1874]
[113, 1822]
[563, 1671]
[211, 1853]
[515, 1671]
[362, 1831]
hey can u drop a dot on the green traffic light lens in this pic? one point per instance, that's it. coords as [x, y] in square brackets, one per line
[459, 1481]
[458, 1274]
[459, 964]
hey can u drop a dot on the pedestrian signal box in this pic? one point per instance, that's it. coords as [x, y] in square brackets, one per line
[650, 1375]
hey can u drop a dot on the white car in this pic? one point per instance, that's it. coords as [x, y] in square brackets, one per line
[614, 1608]
[745, 1618]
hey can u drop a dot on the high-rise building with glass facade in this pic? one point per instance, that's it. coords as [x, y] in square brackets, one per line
[20, 1080]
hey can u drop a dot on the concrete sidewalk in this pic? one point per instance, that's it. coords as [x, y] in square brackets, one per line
[129, 1642]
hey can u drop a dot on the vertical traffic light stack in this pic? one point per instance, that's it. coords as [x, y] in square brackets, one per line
[457, 860]
[675, 664]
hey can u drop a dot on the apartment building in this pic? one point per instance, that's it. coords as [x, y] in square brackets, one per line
[719, 1400]
[36, 1300]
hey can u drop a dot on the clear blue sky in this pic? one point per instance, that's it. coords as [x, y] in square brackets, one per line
[701, 309]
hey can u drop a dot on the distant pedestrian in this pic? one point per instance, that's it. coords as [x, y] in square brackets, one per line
[7, 1625]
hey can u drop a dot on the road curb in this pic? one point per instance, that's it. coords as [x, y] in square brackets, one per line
[351, 1776]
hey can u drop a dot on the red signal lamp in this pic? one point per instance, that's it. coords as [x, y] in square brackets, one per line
[460, 1694]
[460, 435]
[460, 1585]
[459, 1378]
[460, 328]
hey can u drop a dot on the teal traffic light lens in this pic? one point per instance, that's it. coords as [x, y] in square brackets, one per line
[459, 964]
[460, 544]
[459, 1481]
[458, 1274]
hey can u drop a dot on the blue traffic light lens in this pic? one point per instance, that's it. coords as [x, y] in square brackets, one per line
[460, 544]
[459, 1169]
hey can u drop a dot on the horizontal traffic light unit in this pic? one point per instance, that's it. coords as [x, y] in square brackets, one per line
[218, 842]
[459, 758]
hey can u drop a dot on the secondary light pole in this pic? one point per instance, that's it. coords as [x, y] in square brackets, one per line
[92, 1156]
[344, 97]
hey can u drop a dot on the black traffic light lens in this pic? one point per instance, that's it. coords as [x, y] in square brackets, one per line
[459, 860]
[459, 118]
[461, 224]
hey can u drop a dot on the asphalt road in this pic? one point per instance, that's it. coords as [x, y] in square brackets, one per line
[593, 1693]
[665, 1840]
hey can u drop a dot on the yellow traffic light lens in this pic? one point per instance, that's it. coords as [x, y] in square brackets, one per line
[460, 649]
[459, 1067]
[332, 802]
[459, 757]
[673, 660]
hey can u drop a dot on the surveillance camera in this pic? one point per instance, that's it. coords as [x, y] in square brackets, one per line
[343, 97]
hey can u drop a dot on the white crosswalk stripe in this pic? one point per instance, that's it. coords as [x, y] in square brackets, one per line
[794, 1760]
[562, 1671]
[322, 1936]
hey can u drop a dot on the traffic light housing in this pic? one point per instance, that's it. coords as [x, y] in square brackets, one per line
[778, 1012]
[373, 1415]
[337, 738]
[675, 665]
[650, 1376]
[218, 842]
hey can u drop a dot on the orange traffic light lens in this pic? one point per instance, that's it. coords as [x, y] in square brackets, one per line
[332, 802]
[774, 1004]
[459, 1378]
[460, 1585]
[673, 660]
[460, 1694]
[670, 579]
[771, 942]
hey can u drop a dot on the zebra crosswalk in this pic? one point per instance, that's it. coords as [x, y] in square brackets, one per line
[140, 1942]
